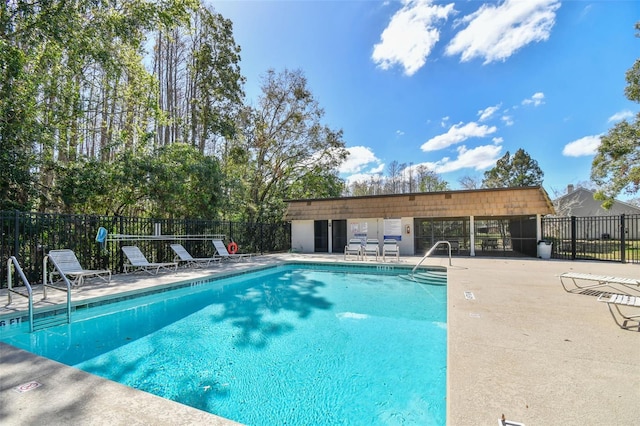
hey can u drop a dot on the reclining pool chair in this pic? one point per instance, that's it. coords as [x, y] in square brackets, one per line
[182, 255]
[615, 301]
[390, 247]
[354, 248]
[223, 253]
[138, 262]
[575, 282]
[371, 248]
[68, 264]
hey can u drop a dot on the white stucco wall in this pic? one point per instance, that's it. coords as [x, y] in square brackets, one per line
[364, 228]
[302, 233]
[374, 228]
[302, 236]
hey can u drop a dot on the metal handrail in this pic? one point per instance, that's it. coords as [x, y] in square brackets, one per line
[12, 261]
[431, 250]
[45, 283]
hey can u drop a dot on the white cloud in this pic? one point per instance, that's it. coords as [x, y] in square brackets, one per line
[410, 35]
[581, 147]
[478, 158]
[358, 159]
[445, 121]
[497, 30]
[456, 134]
[378, 169]
[488, 112]
[374, 173]
[619, 116]
[537, 99]
[497, 140]
[507, 120]
[358, 177]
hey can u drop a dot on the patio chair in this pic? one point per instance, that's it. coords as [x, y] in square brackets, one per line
[354, 248]
[371, 248]
[68, 264]
[615, 301]
[182, 255]
[390, 247]
[138, 262]
[223, 253]
[575, 282]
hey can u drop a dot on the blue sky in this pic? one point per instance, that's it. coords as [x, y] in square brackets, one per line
[452, 85]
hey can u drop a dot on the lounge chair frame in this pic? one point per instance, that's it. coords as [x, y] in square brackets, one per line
[69, 265]
[371, 248]
[223, 254]
[353, 248]
[137, 261]
[575, 282]
[390, 247]
[615, 301]
[182, 255]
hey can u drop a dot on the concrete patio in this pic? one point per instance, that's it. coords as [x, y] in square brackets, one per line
[518, 345]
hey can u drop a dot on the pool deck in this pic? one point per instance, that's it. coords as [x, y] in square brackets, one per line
[518, 345]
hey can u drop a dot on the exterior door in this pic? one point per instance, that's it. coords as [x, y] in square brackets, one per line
[338, 236]
[321, 236]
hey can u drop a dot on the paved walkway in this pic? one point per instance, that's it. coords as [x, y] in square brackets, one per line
[519, 345]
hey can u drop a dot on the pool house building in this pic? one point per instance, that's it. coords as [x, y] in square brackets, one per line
[504, 221]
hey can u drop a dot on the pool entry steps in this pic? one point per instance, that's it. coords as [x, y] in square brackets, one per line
[430, 276]
[12, 262]
[48, 319]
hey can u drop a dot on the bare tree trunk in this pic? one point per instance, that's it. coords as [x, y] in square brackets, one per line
[104, 120]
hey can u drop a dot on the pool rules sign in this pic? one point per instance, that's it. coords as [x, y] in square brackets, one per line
[393, 229]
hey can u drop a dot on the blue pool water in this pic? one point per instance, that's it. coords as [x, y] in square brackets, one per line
[288, 345]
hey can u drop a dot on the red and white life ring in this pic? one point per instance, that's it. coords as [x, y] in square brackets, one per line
[232, 248]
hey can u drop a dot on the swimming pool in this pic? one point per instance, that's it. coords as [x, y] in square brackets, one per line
[293, 344]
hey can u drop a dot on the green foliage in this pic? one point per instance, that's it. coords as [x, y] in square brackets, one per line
[83, 185]
[216, 79]
[316, 184]
[517, 171]
[177, 181]
[18, 118]
[287, 146]
[430, 181]
[86, 127]
[184, 183]
[616, 166]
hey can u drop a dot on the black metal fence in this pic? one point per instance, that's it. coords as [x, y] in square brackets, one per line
[612, 238]
[29, 237]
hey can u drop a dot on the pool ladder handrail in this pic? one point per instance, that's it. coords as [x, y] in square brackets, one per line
[13, 262]
[431, 250]
[45, 283]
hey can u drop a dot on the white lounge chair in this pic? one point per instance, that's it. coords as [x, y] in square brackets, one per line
[223, 253]
[354, 248]
[182, 255]
[575, 282]
[68, 264]
[371, 248]
[390, 247]
[615, 301]
[138, 262]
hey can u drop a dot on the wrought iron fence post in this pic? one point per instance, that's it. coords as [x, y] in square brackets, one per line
[573, 238]
[16, 235]
[623, 242]
[119, 254]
